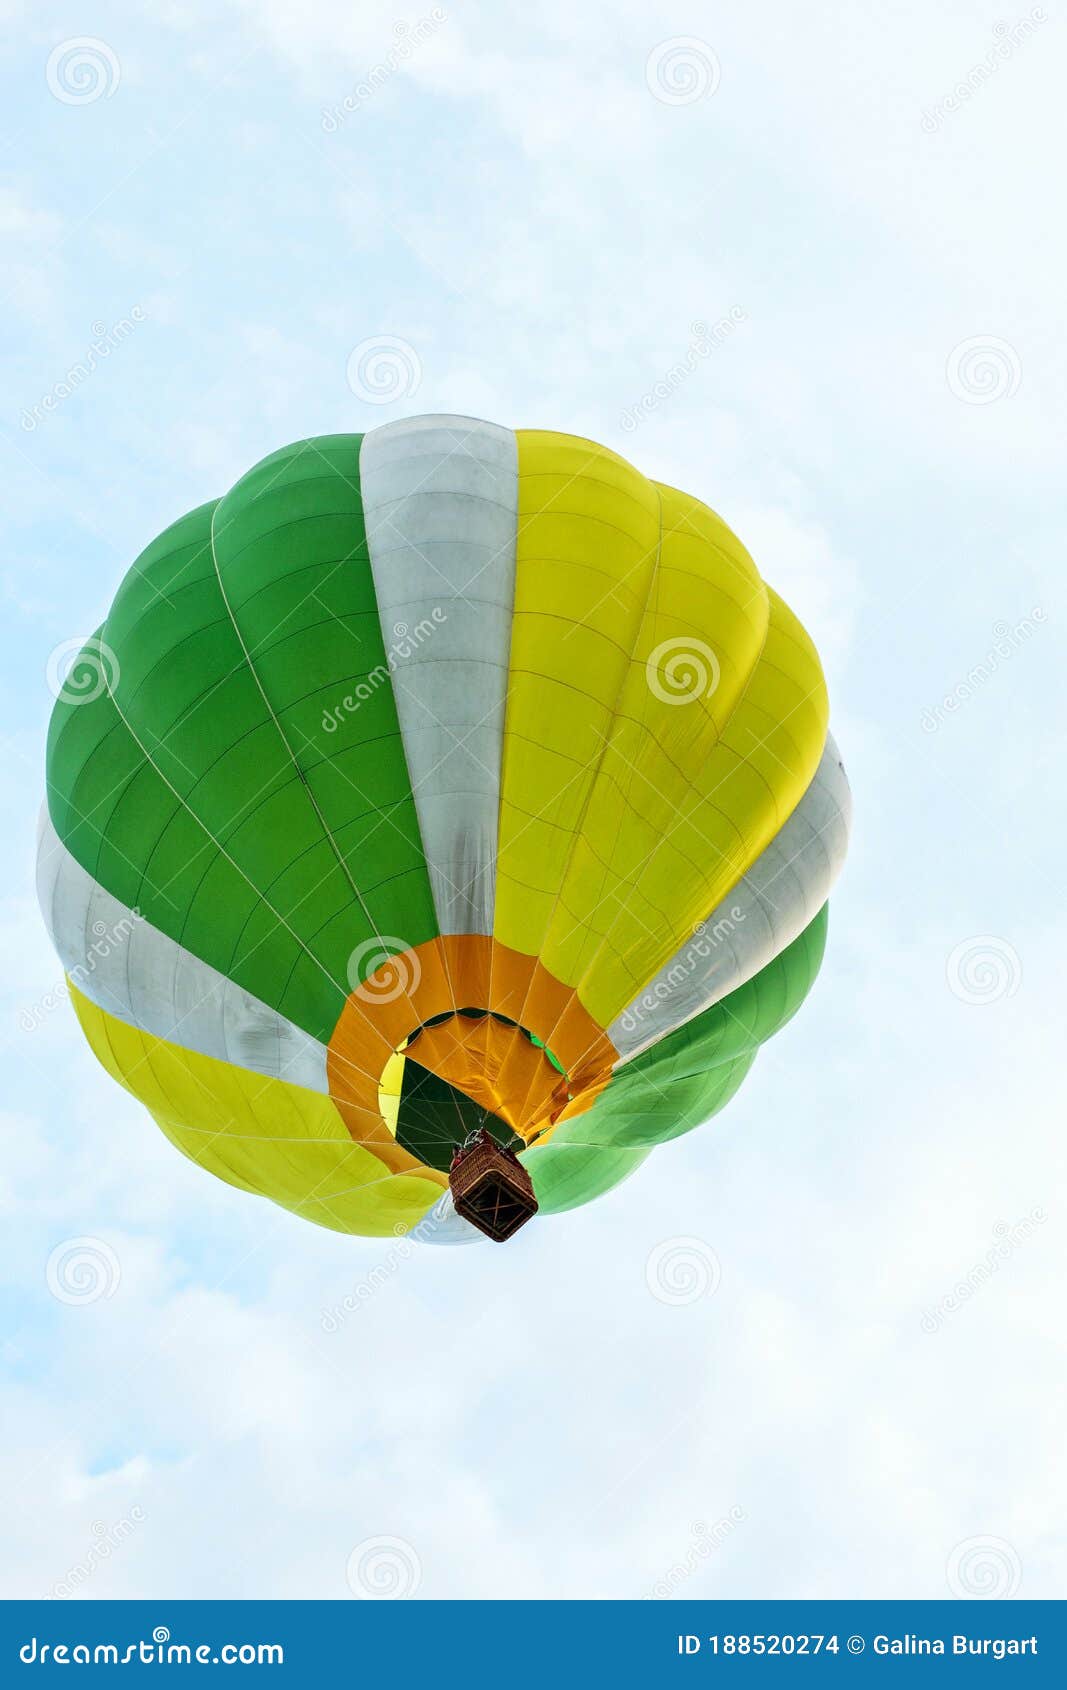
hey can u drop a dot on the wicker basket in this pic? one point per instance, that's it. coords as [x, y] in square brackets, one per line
[491, 1188]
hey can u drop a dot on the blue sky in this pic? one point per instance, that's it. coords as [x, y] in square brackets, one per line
[533, 206]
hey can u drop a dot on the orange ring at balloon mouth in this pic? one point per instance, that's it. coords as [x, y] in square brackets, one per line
[483, 1017]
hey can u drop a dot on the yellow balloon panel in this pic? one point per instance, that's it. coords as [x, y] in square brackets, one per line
[588, 531]
[666, 713]
[263, 1135]
[677, 694]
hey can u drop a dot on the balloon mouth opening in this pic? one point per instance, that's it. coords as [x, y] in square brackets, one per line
[470, 1072]
[456, 1033]
[471, 1014]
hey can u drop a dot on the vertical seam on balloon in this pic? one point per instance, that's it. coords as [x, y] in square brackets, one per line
[441, 951]
[504, 729]
[459, 743]
[653, 595]
[584, 771]
[460, 446]
[284, 738]
[595, 775]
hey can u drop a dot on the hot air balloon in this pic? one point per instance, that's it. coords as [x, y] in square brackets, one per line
[439, 821]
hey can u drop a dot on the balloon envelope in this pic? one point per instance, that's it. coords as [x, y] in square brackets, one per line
[443, 775]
